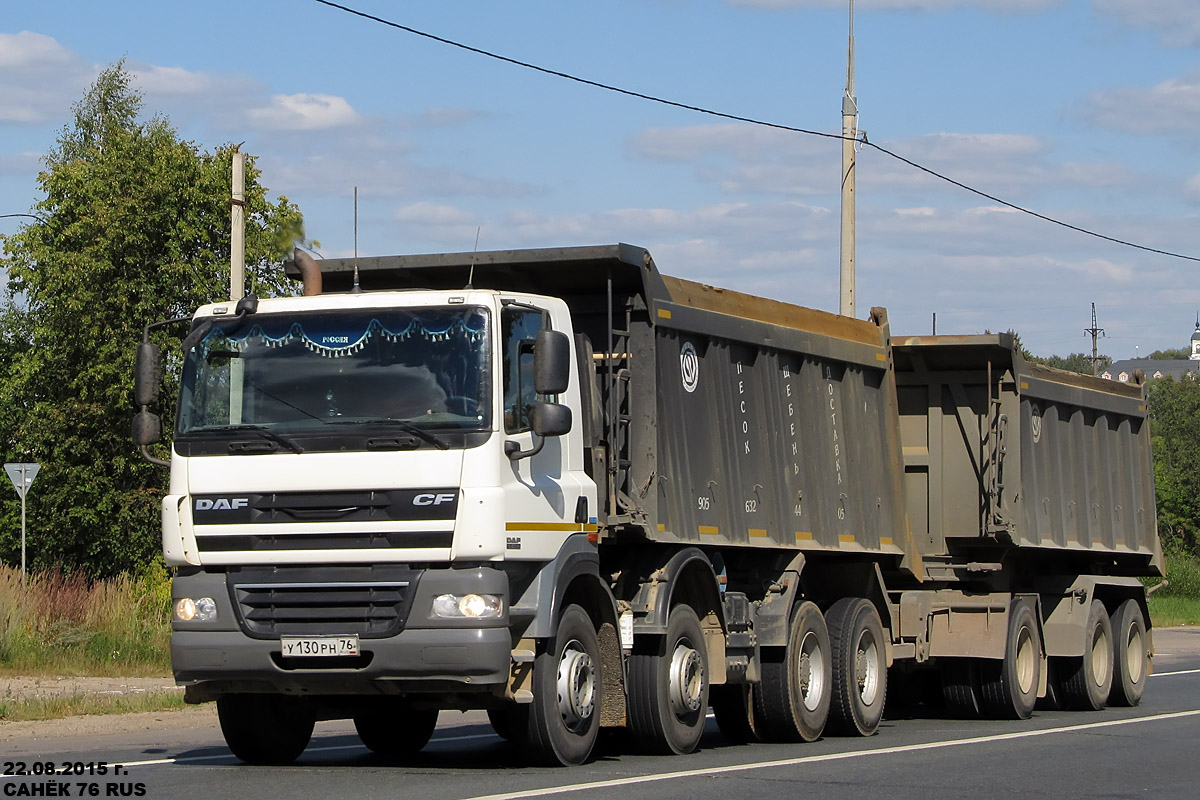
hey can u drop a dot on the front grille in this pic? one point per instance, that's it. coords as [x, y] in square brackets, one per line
[372, 602]
[220, 543]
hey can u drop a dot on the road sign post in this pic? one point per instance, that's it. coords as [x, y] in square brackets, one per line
[22, 476]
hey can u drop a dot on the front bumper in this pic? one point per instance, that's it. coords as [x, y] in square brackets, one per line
[418, 653]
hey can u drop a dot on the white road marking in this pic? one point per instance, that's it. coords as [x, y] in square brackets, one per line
[1177, 672]
[788, 762]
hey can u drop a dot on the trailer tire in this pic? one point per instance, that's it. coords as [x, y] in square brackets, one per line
[668, 687]
[962, 690]
[1010, 685]
[266, 728]
[564, 717]
[396, 729]
[733, 707]
[1130, 657]
[859, 662]
[794, 697]
[1087, 679]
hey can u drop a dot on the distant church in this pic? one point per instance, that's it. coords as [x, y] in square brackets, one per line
[1158, 368]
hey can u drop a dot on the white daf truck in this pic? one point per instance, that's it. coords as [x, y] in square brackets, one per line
[561, 487]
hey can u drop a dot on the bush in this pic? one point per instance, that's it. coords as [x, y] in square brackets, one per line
[69, 624]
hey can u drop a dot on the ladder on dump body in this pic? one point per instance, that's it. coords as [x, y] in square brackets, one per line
[617, 398]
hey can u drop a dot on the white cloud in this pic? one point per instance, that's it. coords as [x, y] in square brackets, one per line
[20, 163]
[27, 51]
[1170, 107]
[307, 112]
[170, 80]
[1178, 21]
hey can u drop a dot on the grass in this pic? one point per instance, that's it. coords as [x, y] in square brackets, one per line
[41, 708]
[65, 624]
[1167, 612]
[1177, 603]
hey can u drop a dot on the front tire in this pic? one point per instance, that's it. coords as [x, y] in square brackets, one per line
[564, 718]
[794, 697]
[266, 728]
[668, 687]
[859, 667]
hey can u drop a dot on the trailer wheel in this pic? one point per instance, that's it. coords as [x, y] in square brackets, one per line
[564, 718]
[1010, 686]
[397, 729]
[1130, 657]
[265, 728]
[794, 697]
[733, 707]
[1087, 679]
[962, 690]
[859, 662]
[668, 688]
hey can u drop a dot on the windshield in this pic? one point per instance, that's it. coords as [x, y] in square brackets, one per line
[291, 375]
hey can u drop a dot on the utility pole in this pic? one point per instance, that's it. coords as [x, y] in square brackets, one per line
[237, 229]
[1096, 333]
[849, 140]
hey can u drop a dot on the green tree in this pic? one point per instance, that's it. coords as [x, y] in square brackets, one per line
[1076, 362]
[136, 230]
[1175, 440]
[1167, 355]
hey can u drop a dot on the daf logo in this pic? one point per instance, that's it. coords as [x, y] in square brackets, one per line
[223, 504]
[432, 499]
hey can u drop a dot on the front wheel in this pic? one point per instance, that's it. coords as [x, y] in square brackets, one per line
[668, 687]
[859, 662]
[266, 728]
[564, 718]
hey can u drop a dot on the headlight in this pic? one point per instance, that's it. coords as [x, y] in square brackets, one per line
[201, 609]
[471, 606]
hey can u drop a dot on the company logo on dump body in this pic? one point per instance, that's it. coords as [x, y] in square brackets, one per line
[221, 503]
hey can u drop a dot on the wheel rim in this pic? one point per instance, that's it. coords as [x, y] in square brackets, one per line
[866, 668]
[1100, 657]
[1135, 655]
[576, 686]
[810, 668]
[686, 680]
[1026, 663]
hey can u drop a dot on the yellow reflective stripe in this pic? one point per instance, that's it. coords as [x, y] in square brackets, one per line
[804, 536]
[758, 532]
[665, 313]
[551, 526]
[846, 538]
[710, 530]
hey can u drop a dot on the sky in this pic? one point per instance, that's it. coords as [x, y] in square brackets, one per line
[1086, 111]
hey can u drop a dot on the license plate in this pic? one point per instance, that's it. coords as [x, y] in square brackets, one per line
[318, 646]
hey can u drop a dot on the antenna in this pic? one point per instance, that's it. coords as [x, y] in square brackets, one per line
[356, 289]
[471, 276]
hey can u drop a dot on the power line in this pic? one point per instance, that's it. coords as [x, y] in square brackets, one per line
[861, 138]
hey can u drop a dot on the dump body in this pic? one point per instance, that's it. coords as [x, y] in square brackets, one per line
[717, 418]
[998, 450]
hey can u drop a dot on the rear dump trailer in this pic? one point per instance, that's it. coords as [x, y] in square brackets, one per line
[647, 497]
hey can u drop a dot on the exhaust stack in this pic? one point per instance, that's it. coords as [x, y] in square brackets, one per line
[310, 271]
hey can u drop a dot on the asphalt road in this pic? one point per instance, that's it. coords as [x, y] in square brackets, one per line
[1152, 750]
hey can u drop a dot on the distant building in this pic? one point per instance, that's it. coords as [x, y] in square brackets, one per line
[1157, 368]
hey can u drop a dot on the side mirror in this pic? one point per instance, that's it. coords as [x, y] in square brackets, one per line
[551, 362]
[147, 428]
[147, 376]
[551, 419]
